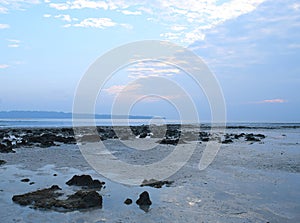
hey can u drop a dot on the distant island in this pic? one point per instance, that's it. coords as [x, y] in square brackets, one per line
[63, 115]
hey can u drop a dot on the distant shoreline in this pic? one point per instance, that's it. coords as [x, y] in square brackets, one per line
[65, 115]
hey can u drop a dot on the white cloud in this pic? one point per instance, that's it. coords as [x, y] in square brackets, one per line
[151, 69]
[46, 15]
[272, 101]
[127, 12]
[178, 28]
[200, 16]
[296, 6]
[80, 4]
[142, 89]
[185, 21]
[116, 89]
[6, 5]
[13, 43]
[3, 10]
[96, 23]
[3, 66]
[66, 18]
[4, 26]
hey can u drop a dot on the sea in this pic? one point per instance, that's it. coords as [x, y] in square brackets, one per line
[53, 123]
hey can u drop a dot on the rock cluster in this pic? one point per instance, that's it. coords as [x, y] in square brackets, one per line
[171, 134]
[48, 198]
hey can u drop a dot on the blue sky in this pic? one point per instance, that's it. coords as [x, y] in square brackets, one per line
[253, 48]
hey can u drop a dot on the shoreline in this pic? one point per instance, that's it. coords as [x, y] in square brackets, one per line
[248, 181]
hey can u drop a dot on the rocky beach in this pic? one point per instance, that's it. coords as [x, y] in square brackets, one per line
[255, 176]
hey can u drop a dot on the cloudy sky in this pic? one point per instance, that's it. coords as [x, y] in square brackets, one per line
[252, 47]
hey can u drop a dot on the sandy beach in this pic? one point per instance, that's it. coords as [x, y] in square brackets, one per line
[248, 181]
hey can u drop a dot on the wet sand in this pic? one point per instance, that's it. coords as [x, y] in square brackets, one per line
[247, 182]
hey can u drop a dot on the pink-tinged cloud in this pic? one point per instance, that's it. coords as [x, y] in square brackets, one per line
[273, 101]
[3, 66]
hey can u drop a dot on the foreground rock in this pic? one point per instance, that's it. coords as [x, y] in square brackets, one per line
[85, 181]
[155, 183]
[128, 201]
[48, 199]
[81, 200]
[8, 148]
[144, 201]
[2, 162]
[45, 198]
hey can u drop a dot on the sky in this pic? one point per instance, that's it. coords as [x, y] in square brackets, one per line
[251, 46]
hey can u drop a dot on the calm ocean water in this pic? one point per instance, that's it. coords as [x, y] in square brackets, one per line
[35, 123]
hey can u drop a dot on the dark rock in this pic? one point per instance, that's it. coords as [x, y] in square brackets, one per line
[128, 201]
[31, 183]
[155, 183]
[204, 139]
[45, 139]
[47, 199]
[6, 148]
[81, 200]
[251, 137]
[143, 135]
[260, 136]
[2, 162]
[204, 134]
[25, 180]
[169, 141]
[90, 138]
[54, 174]
[38, 198]
[144, 199]
[85, 181]
[238, 136]
[227, 141]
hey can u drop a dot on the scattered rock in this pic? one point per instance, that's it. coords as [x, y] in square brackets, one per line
[25, 180]
[205, 139]
[8, 148]
[85, 181]
[2, 162]
[54, 174]
[237, 136]
[227, 141]
[144, 201]
[155, 183]
[31, 183]
[169, 141]
[251, 137]
[128, 201]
